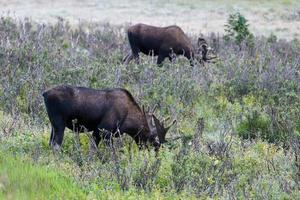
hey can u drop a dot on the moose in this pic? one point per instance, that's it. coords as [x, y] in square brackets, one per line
[165, 42]
[114, 110]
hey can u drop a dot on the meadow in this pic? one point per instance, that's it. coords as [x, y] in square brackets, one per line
[237, 134]
[194, 16]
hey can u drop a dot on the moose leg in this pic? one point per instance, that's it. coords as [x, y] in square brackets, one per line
[160, 59]
[191, 58]
[51, 136]
[172, 58]
[57, 133]
[192, 62]
[135, 53]
[94, 142]
[136, 58]
[96, 137]
[138, 142]
[107, 137]
[58, 137]
[162, 54]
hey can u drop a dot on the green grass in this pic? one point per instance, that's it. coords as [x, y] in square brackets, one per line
[20, 179]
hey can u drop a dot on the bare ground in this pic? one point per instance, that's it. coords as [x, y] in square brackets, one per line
[265, 17]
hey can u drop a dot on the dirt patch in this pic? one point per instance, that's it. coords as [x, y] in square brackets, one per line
[279, 17]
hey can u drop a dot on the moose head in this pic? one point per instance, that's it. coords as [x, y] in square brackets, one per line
[204, 52]
[156, 126]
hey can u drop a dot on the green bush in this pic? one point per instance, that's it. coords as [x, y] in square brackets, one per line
[255, 125]
[237, 28]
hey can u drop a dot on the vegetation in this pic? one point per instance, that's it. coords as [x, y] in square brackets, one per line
[22, 180]
[237, 28]
[237, 133]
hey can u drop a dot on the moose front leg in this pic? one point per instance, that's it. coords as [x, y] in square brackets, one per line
[190, 56]
[107, 137]
[138, 143]
[192, 62]
[172, 58]
[161, 57]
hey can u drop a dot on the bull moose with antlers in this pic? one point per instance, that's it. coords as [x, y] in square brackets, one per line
[114, 110]
[165, 42]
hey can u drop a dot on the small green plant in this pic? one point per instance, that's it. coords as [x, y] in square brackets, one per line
[259, 125]
[254, 125]
[237, 29]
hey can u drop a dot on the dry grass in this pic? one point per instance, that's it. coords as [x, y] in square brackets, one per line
[279, 17]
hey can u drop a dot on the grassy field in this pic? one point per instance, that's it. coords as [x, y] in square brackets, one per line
[280, 17]
[20, 179]
[249, 101]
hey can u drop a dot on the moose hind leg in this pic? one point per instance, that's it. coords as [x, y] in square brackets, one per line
[51, 136]
[135, 53]
[172, 58]
[58, 138]
[57, 133]
[192, 62]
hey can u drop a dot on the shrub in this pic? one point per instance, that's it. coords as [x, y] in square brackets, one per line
[237, 28]
[255, 125]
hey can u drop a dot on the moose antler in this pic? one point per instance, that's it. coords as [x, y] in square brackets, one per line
[206, 50]
[165, 119]
[143, 109]
[201, 41]
[174, 121]
[153, 109]
[161, 130]
[158, 126]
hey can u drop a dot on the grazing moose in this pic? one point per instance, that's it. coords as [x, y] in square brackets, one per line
[164, 42]
[114, 110]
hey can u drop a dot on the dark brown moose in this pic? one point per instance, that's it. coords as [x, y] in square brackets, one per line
[164, 42]
[114, 110]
